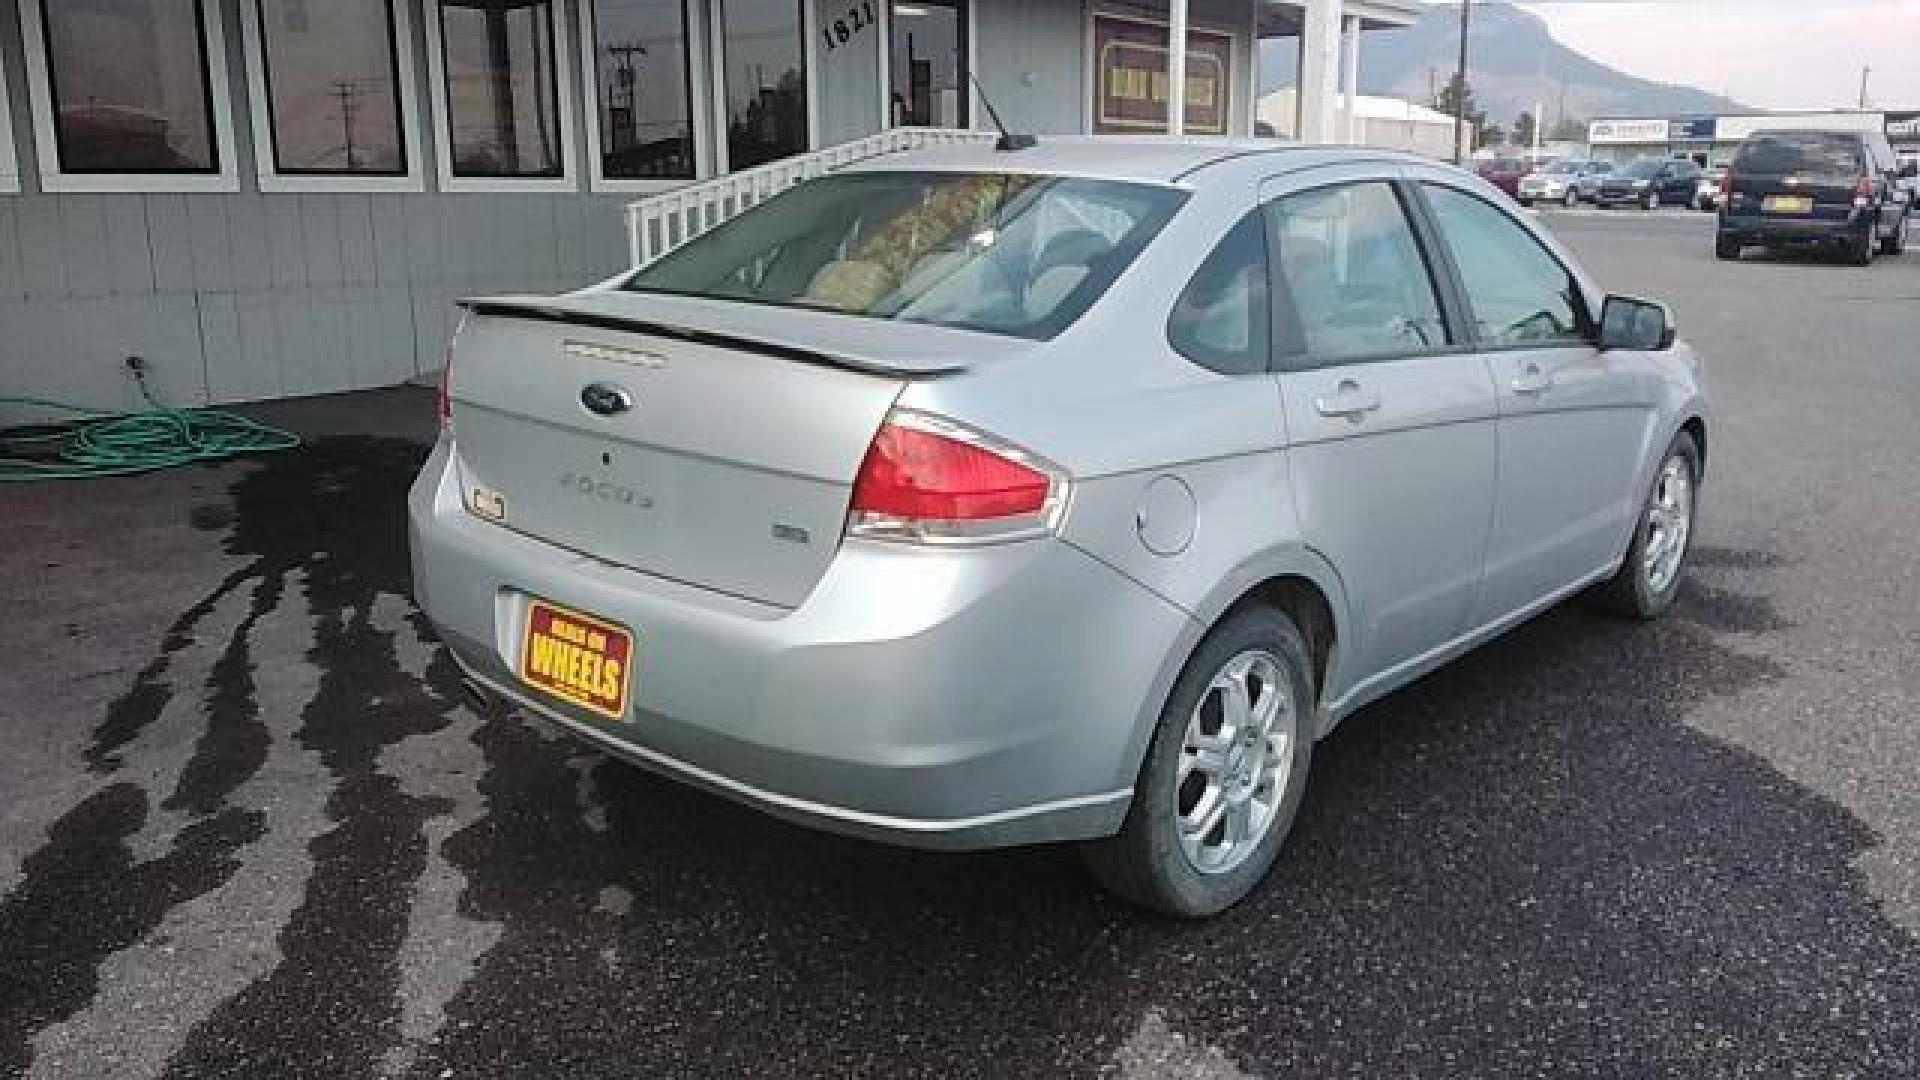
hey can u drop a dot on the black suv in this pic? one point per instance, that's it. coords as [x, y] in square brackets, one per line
[1833, 188]
[1651, 182]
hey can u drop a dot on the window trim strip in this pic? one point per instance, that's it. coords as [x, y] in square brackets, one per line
[266, 150]
[55, 178]
[565, 92]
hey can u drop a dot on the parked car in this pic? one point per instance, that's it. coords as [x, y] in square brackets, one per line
[1706, 194]
[1651, 182]
[1558, 182]
[1590, 181]
[1836, 189]
[1504, 173]
[964, 498]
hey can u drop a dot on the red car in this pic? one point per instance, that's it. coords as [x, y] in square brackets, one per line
[1503, 173]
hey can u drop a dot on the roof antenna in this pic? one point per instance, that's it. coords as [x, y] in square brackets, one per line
[1008, 140]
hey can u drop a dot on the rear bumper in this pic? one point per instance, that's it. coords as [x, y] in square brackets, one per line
[1760, 229]
[972, 698]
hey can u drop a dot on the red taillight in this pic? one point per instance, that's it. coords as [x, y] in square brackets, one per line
[1863, 191]
[1726, 183]
[929, 480]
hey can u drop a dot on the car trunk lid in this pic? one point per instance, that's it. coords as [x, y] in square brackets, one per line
[680, 437]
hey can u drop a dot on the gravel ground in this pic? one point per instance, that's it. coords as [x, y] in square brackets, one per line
[253, 831]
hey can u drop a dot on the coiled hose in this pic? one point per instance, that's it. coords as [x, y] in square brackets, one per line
[100, 442]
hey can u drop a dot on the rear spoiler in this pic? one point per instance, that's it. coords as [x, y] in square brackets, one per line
[532, 309]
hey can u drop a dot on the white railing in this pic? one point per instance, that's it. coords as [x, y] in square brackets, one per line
[659, 223]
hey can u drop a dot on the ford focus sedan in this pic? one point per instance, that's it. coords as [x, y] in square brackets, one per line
[965, 498]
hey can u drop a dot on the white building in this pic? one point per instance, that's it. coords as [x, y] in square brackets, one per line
[1712, 140]
[1370, 121]
[278, 197]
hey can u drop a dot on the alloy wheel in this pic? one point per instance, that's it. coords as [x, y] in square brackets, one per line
[1669, 524]
[1235, 762]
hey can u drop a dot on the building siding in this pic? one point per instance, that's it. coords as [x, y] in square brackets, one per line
[243, 296]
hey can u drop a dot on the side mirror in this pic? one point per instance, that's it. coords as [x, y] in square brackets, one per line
[1635, 325]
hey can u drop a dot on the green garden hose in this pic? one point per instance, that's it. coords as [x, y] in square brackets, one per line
[100, 442]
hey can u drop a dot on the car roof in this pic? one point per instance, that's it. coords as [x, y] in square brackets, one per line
[1158, 159]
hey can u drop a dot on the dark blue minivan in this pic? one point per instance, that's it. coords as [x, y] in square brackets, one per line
[1835, 189]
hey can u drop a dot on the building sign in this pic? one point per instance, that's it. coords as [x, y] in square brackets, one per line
[1628, 131]
[1735, 128]
[1697, 129]
[1130, 76]
[1903, 128]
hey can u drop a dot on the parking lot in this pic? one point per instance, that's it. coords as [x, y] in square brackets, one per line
[253, 830]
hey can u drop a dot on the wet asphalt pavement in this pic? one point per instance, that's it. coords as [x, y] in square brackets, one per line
[252, 830]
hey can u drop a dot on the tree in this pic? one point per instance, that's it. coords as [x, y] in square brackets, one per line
[1523, 129]
[1458, 91]
[1568, 129]
[1489, 135]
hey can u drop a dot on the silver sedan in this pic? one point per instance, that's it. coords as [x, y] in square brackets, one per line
[967, 498]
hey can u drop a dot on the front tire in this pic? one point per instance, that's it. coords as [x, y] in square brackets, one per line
[1897, 243]
[1224, 773]
[1645, 585]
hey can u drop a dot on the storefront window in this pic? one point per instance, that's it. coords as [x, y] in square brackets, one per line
[766, 81]
[640, 64]
[128, 83]
[928, 55]
[332, 87]
[503, 110]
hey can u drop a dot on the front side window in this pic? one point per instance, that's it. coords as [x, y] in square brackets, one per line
[1518, 292]
[644, 101]
[766, 81]
[1221, 320]
[129, 89]
[333, 88]
[503, 106]
[1012, 254]
[1354, 282]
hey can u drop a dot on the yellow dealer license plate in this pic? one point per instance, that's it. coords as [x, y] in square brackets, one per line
[577, 658]
[1787, 204]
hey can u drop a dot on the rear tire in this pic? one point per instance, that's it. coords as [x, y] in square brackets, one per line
[1645, 585]
[1726, 247]
[1897, 243]
[1149, 861]
[1861, 251]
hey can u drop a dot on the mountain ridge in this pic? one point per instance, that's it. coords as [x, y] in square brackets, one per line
[1514, 62]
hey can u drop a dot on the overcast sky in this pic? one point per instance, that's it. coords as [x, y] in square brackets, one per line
[1770, 53]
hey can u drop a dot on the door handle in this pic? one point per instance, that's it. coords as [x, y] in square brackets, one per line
[1349, 399]
[1532, 380]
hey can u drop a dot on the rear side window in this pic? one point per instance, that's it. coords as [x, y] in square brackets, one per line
[1800, 152]
[1355, 283]
[1222, 319]
[1518, 292]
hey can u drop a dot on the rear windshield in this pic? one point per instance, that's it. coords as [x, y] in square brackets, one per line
[1644, 168]
[1800, 152]
[1561, 167]
[1005, 253]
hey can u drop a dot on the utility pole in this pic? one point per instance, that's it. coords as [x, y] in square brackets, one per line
[347, 92]
[1460, 90]
[1864, 72]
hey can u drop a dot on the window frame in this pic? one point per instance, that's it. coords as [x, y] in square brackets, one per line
[565, 92]
[54, 177]
[698, 115]
[1440, 278]
[1469, 330]
[9, 157]
[260, 108]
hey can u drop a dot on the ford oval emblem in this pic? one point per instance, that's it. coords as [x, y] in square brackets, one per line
[606, 399]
